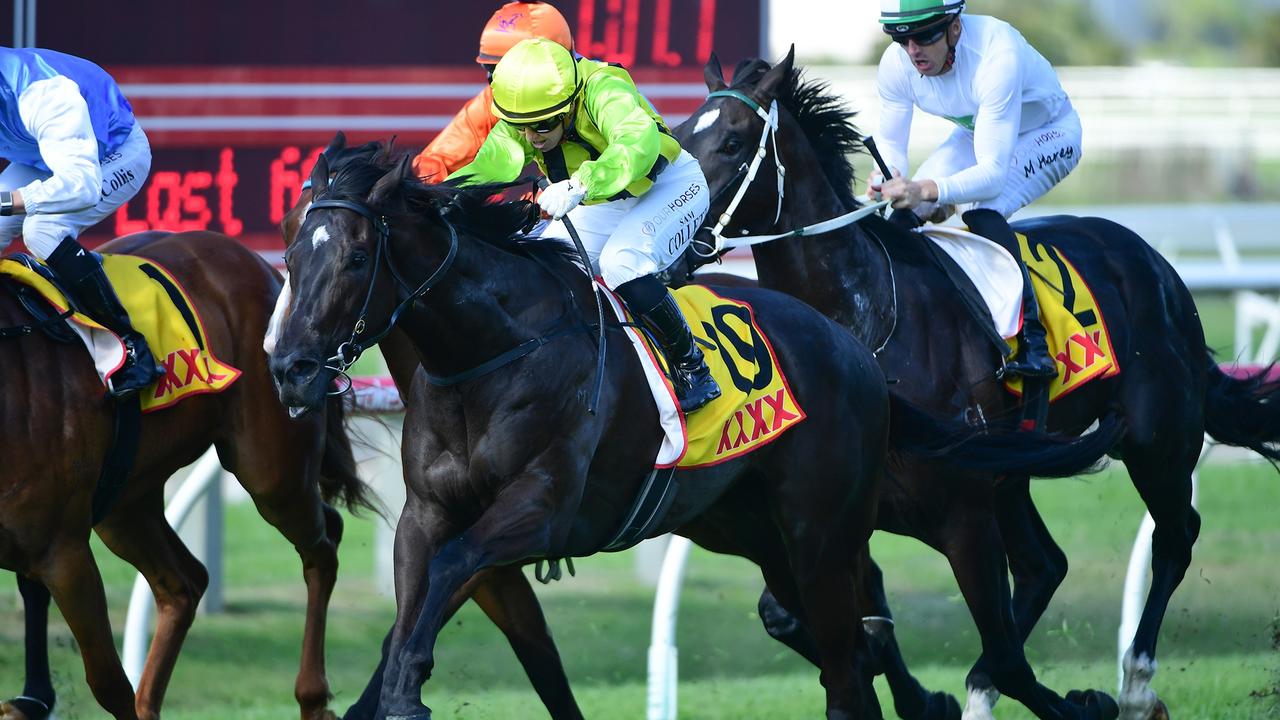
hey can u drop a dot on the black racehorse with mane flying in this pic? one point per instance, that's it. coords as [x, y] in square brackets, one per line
[504, 464]
[883, 284]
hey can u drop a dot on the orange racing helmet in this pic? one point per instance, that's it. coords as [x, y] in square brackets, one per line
[518, 21]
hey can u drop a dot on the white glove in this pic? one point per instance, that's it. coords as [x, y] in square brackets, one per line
[559, 198]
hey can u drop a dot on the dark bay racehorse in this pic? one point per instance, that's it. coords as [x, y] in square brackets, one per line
[512, 468]
[879, 281]
[504, 593]
[292, 471]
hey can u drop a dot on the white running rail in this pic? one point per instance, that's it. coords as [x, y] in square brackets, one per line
[663, 660]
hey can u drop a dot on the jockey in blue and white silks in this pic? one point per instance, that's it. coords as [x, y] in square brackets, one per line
[76, 154]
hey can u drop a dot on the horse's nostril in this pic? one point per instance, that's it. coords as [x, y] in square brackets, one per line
[301, 371]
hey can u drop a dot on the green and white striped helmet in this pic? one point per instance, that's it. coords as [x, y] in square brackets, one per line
[901, 16]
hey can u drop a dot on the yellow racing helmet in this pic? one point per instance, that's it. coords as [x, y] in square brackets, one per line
[537, 79]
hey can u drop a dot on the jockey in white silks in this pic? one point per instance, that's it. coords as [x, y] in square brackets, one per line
[1016, 133]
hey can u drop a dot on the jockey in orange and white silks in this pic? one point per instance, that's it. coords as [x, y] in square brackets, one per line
[1016, 133]
[76, 154]
[458, 142]
[633, 195]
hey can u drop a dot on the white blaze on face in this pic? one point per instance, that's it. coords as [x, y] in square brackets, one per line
[319, 237]
[706, 120]
[277, 318]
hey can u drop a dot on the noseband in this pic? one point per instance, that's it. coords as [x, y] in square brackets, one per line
[348, 352]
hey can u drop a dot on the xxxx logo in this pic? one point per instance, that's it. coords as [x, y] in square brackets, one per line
[765, 415]
[184, 367]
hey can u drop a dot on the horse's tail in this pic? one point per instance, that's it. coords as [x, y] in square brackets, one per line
[919, 432]
[1244, 411]
[339, 479]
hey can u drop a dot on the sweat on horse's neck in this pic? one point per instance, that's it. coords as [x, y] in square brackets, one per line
[488, 302]
[843, 272]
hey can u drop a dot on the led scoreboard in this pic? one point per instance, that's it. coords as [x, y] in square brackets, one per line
[238, 96]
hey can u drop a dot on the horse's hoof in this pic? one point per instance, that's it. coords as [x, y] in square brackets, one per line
[24, 708]
[9, 712]
[325, 714]
[1094, 704]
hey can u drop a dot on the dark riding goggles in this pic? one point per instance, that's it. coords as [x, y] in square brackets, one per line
[926, 32]
[542, 127]
[922, 37]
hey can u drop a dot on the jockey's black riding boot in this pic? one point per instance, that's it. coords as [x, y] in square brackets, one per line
[1032, 360]
[694, 385]
[81, 272]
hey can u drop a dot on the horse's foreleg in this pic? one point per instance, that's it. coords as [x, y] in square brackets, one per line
[76, 586]
[506, 533]
[911, 700]
[507, 598]
[37, 698]
[144, 539]
[1038, 566]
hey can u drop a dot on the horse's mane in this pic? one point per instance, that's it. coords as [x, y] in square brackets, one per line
[823, 118]
[471, 210]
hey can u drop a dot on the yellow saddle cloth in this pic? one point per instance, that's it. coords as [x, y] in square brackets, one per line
[1077, 333]
[756, 404]
[162, 312]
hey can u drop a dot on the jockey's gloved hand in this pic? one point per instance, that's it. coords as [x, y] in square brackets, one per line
[559, 198]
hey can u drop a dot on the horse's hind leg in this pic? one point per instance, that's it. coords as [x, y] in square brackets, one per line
[1160, 462]
[37, 698]
[293, 506]
[140, 535]
[72, 577]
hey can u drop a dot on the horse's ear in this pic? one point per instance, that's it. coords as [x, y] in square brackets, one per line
[776, 78]
[336, 145]
[713, 74]
[320, 176]
[390, 182]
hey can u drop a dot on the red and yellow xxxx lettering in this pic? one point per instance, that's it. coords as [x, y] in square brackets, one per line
[756, 404]
[161, 310]
[1077, 333]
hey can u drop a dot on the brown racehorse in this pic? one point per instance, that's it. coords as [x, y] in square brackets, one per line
[291, 469]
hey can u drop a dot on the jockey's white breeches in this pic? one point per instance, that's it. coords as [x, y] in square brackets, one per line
[123, 174]
[643, 235]
[1041, 159]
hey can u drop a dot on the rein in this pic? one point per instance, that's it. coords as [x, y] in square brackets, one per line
[350, 350]
[769, 135]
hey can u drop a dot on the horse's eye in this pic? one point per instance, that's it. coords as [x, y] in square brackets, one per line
[358, 260]
[731, 146]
